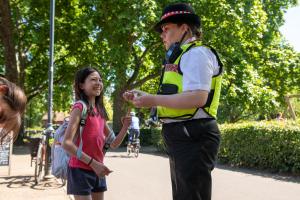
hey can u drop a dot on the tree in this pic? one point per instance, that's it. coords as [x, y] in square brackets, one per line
[7, 39]
[86, 34]
[245, 32]
[117, 38]
[132, 55]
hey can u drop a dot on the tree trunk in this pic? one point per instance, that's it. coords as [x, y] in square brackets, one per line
[19, 140]
[119, 110]
[7, 38]
[22, 66]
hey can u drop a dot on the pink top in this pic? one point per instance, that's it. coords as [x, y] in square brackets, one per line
[92, 138]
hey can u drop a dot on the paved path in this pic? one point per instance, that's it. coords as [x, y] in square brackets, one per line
[147, 178]
[20, 185]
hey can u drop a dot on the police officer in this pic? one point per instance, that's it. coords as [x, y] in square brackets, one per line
[186, 102]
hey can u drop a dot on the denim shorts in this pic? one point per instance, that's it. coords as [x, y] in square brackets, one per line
[84, 182]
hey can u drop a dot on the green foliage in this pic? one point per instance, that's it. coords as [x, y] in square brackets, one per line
[116, 37]
[296, 105]
[246, 33]
[145, 137]
[157, 140]
[269, 145]
[152, 136]
[108, 107]
[34, 113]
[2, 67]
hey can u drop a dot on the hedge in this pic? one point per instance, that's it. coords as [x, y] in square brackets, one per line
[264, 145]
[271, 145]
[151, 136]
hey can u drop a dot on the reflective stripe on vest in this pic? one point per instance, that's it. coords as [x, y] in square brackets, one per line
[172, 84]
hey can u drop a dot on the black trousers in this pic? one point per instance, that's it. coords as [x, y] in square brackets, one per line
[192, 147]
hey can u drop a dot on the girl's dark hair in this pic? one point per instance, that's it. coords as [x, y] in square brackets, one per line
[80, 78]
[16, 100]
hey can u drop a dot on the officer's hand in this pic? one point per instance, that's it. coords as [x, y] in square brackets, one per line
[128, 95]
[146, 100]
[138, 93]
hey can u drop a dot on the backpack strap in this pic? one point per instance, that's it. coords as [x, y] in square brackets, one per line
[82, 124]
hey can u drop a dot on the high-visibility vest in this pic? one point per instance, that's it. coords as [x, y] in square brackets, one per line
[171, 83]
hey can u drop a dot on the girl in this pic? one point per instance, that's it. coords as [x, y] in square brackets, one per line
[12, 106]
[85, 170]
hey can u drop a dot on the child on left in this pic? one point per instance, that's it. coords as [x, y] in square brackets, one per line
[12, 106]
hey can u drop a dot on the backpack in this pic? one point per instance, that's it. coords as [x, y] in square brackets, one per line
[59, 157]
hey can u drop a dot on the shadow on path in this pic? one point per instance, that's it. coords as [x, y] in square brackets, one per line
[21, 150]
[263, 173]
[118, 156]
[28, 182]
[150, 150]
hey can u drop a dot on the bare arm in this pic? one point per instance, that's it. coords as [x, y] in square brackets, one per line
[184, 100]
[71, 131]
[120, 137]
[71, 148]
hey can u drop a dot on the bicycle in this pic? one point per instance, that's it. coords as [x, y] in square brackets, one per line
[40, 161]
[134, 146]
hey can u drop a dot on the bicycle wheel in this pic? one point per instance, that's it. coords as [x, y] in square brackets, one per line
[136, 153]
[38, 165]
[128, 150]
[63, 181]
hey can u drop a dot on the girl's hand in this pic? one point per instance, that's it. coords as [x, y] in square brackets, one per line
[126, 120]
[100, 169]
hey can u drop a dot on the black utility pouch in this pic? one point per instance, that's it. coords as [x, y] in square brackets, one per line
[168, 89]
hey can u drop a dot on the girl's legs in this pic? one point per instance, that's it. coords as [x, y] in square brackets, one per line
[97, 195]
[83, 197]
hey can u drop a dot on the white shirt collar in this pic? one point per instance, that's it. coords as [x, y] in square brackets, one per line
[191, 39]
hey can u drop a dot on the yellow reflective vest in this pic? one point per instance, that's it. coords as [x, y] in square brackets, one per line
[171, 83]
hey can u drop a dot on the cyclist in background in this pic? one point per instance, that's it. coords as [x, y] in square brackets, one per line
[134, 129]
